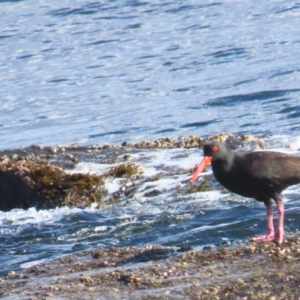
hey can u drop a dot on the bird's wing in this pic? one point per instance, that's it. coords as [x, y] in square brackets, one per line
[274, 167]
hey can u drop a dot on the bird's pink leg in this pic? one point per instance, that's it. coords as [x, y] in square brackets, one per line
[280, 232]
[270, 236]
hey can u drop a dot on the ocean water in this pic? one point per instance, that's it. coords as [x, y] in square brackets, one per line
[112, 71]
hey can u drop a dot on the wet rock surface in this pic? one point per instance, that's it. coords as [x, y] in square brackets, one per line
[253, 271]
[25, 184]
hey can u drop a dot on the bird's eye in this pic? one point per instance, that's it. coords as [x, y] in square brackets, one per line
[214, 148]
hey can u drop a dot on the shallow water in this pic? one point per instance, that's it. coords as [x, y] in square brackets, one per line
[94, 73]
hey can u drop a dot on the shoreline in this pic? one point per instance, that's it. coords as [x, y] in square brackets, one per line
[243, 272]
[252, 271]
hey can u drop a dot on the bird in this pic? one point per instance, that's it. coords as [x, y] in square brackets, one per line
[261, 175]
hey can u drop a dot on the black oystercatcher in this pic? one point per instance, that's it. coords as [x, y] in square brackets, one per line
[262, 175]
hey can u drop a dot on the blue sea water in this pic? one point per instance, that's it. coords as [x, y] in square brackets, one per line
[103, 72]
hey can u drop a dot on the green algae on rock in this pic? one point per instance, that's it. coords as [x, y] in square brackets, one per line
[25, 184]
[124, 170]
[202, 187]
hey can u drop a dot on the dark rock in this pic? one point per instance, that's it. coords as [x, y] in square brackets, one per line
[25, 184]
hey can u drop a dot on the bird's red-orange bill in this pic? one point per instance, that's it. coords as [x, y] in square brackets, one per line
[200, 167]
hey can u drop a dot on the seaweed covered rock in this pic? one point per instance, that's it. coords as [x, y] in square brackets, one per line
[124, 170]
[25, 184]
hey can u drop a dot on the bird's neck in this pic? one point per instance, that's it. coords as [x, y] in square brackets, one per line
[224, 164]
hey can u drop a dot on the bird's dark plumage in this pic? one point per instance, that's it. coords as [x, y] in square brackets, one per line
[262, 175]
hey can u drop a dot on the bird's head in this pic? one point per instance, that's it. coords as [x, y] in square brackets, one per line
[212, 151]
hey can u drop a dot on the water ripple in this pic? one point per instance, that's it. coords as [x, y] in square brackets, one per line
[263, 95]
[68, 11]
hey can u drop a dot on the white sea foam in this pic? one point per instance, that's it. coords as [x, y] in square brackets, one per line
[32, 263]
[33, 216]
[285, 142]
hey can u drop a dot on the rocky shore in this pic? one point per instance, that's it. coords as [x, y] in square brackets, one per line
[255, 271]
[41, 177]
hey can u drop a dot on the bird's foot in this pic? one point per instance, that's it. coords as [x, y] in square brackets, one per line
[279, 237]
[265, 238]
[269, 237]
